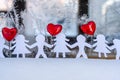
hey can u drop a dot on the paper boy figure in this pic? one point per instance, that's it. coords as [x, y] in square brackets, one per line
[20, 46]
[2, 45]
[40, 43]
[61, 45]
[101, 45]
[81, 45]
[117, 47]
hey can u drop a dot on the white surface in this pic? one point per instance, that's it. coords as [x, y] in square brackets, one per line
[59, 69]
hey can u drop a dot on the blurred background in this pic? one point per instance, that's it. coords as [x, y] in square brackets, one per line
[70, 13]
[31, 17]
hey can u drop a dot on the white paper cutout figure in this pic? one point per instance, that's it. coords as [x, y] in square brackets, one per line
[61, 45]
[81, 45]
[20, 46]
[40, 43]
[101, 45]
[2, 45]
[117, 47]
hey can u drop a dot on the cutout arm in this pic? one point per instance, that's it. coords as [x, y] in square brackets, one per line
[73, 45]
[48, 45]
[94, 45]
[112, 47]
[32, 46]
[88, 45]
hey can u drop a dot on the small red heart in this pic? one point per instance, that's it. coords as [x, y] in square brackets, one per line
[89, 28]
[9, 33]
[54, 29]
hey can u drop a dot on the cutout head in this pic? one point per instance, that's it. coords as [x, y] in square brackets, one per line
[81, 38]
[40, 38]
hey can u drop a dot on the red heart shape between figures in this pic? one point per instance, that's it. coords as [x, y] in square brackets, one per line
[9, 33]
[89, 28]
[54, 29]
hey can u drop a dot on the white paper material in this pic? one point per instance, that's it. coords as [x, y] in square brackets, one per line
[40, 43]
[117, 47]
[20, 46]
[101, 45]
[61, 45]
[81, 45]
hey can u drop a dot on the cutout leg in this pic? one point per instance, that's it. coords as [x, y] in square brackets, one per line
[99, 54]
[105, 54]
[44, 56]
[117, 57]
[64, 55]
[57, 55]
[85, 56]
[37, 56]
[23, 55]
[78, 55]
[17, 56]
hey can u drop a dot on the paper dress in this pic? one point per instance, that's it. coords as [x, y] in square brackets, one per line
[101, 45]
[61, 45]
[117, 47]
[20, 46]
[40, 43]
[2, 45]
[81, 45]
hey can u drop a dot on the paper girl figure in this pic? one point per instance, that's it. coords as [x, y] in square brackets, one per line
[61, 45]
[81, 45]
[2, 45]
[117, 47]
[101, 45]
[20, 46]
[40, 43]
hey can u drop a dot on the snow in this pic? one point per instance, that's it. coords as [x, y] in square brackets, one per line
[59, 69]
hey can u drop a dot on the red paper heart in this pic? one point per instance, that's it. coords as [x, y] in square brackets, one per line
[9, 33]
[89, 28]
[54, 29]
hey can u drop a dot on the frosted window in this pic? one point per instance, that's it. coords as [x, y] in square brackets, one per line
[5, 4]
[106, 14]
[41, 12]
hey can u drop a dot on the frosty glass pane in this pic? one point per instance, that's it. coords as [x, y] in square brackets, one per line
[106, 14]
[39, 13]
[5, 4]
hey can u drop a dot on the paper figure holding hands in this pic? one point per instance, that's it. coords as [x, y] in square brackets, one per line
[40, 43]
[2, 45]
[117, 47]
[81, 45]
[61, 45]
[101, 45]
[20, 46]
